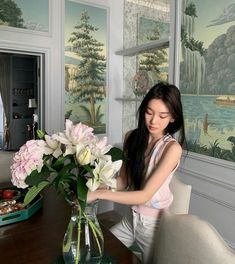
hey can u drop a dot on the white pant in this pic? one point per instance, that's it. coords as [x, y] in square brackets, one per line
[139, 229]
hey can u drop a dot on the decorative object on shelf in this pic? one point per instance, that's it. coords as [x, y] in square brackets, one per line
[33, 104]
[140, 83]
[15, 103]
[83, 240]
[73, 162]
[16, 115]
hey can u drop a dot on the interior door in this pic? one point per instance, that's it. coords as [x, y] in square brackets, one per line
[22, 98]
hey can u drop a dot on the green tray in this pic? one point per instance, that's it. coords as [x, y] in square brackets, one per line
[22, 214]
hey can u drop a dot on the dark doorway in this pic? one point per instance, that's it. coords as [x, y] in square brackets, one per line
[21, 98]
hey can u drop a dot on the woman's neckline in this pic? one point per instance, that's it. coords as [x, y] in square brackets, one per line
[153, 143]
[155, 140]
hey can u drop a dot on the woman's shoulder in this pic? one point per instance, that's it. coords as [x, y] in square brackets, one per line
[128, 133]
[173, 146]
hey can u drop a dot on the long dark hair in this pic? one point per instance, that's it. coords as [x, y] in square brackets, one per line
[137, 142]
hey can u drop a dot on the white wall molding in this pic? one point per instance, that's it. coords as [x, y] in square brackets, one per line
[23, 46]
[207, 178]
[214, 200]
[213, 191]
[211, 160]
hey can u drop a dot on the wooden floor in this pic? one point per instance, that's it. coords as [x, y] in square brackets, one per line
[109, 218]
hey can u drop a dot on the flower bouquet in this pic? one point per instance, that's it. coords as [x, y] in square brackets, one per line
[72, 162]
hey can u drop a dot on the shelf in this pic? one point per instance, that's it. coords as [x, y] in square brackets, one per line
[21, 106]
[24, 69]
[20, 81]
[162, 43]
[23, 118]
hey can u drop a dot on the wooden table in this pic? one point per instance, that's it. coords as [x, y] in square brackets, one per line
[38, 240]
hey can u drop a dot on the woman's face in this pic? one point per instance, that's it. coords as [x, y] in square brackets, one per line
[157, 118]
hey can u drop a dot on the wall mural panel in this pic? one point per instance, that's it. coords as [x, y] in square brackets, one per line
[25, 14]
[85, 64]
[154, 62]
[207, 80]
[142, 20]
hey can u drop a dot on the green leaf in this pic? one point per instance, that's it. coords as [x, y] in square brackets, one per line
[82, 191]
[34, 191]
[68, 178]
[67, 168]
[116, 154]
[66, 185]
[40, 134]
[36, 177]
[89, 170]
[59, 163]
[64, 173]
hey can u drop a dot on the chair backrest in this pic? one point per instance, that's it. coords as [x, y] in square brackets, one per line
[187, 239]
[6, 160]
[181, 193]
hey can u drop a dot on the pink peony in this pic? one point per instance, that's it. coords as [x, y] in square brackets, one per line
[27, 159]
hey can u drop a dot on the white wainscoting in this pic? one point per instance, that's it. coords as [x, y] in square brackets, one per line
[213, 191]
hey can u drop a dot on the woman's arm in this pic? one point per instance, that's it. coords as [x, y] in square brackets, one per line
[168, 162]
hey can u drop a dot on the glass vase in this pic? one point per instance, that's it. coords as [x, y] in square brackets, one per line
[83, 240]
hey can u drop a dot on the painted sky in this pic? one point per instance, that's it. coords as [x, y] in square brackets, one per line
[207, 11]
[35, 10]
[98, 18]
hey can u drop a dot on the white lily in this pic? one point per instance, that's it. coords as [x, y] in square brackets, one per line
[53, 146]
[69, 150]
[78, 133]
[99, 148]
[74, 135]
[93, 184]
[103, 174]
[83, 155]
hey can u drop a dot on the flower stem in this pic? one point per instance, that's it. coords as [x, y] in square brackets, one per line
[79, 218]
[95, 231]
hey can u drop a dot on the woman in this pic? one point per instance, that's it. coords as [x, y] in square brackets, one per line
[152, 156]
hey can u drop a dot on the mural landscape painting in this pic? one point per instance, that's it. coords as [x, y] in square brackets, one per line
[25, 14]
[85, 65]
[207, 80]
[154, 62]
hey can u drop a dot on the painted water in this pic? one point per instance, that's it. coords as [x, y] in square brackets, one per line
[207, 121]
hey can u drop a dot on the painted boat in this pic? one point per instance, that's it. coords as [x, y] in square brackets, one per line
[225, 100]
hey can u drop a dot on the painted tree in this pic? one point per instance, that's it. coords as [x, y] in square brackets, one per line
[152, 61]
[10, 14]
[91, 69]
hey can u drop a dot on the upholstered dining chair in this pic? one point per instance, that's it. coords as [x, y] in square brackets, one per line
[180, 205]
[181, 193]
[6, 160]
[188, 239]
